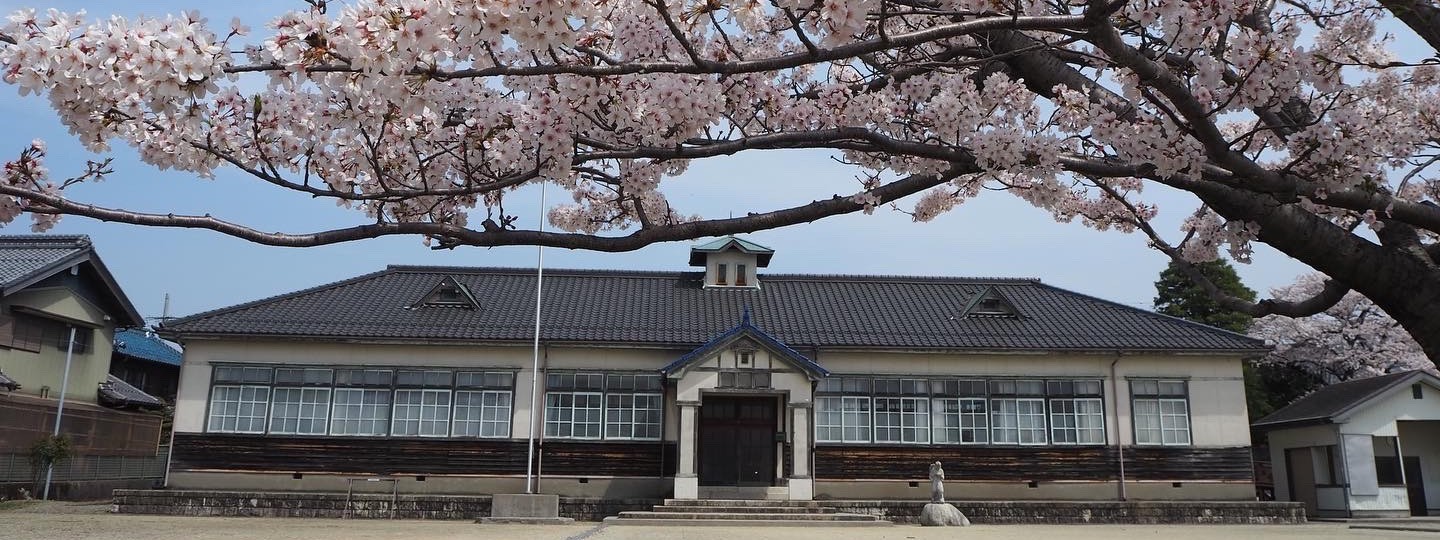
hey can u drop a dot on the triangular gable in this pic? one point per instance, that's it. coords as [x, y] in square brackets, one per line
[762, 253]
[990, 302]
[1401, 385]
[745, 330]
[449, 292]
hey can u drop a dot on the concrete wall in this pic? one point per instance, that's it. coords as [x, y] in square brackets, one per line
[1301, 437]
[1047, 491]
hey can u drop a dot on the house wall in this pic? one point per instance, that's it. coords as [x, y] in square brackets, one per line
[1422, 440]
[1220, 438]
[1301, 437]
[47, 367]
[730, 258]
[1380, 417]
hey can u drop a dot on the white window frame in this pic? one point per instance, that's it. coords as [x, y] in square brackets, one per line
[569, 420]
[1163, 414]
[218, 412]
[487, 418]
[853, 413]
[911, 420]
[1085, 427]
[1018, 421]
[371, 412]
[625, 418]
[427, 414]
[315, 399]
[960, 421]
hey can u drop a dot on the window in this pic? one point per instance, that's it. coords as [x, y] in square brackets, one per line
[300, 411]
[423, 413]
[573, 414]
[720, 277]
[484, 409]
[632, 416]
[31, 333]
[238, 409]
[842, 419]
[744, 379]
[360, 411]
[1077, 421]
[1416, 391]
[1387, 461]
[740, 275]
[902, 420]
[1161, 412]
[963, 421]
[1017, 421]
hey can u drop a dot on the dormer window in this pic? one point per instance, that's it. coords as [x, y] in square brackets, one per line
[991, 303]
[448, 293]
[730, 254]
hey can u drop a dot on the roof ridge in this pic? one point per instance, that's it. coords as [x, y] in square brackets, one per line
[273, 298]
[45, 239]
[441, 269]
[1394, 379]
[1161, 316]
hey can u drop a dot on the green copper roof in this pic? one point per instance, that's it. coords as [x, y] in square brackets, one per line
[731, 242]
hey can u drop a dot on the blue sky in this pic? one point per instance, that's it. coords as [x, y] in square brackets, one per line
[995, 235]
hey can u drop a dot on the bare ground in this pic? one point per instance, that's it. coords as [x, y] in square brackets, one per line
[72, 521]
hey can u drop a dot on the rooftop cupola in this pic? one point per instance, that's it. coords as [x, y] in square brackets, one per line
[731, 261]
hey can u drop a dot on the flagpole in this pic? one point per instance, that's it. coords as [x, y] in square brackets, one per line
[531, 482]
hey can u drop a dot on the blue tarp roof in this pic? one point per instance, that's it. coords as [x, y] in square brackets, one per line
[145, 346]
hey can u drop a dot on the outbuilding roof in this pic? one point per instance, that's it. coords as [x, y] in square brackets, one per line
[7, 383]
[115, 392]
[144, 345]
[673, 309]
[1324, 405]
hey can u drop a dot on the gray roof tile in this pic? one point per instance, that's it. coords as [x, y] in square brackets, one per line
[671, 308]
[22, 256]
[115, 392]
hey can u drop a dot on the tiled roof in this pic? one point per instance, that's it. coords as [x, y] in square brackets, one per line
[7, 383]
[115, 392]
[747, 329]
[671, 308]
[1322, 405]
[23, 256]
[145, 346]
[26, 259]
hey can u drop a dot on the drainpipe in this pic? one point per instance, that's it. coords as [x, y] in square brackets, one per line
[1119, 437]
[60, 410]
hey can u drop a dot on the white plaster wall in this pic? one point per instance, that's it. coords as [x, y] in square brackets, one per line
[1331, 499]
[1301, 437]
[730, 258]
[1379, 415]
[1422, 440]
[1389, 499]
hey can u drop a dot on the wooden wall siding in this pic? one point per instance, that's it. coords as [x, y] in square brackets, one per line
[376, 455]
[1025, 463]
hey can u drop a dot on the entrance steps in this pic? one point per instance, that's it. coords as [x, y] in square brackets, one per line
[743, 512]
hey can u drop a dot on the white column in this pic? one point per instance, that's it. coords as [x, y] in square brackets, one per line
[687, 484]
[802, 487]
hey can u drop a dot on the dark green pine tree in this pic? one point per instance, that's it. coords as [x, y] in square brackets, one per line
[1266, 387]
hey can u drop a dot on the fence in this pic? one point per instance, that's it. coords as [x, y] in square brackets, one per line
[17, 468]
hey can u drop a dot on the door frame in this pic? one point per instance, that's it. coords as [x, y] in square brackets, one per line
[1415, 483]
[776, 401]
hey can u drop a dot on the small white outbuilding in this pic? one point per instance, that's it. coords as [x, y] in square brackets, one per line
[1362, 448]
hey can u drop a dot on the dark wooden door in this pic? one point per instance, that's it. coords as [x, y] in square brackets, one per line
[737, 441]
[1415, 486]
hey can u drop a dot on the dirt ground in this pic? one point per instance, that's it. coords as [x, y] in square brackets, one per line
[71, 521]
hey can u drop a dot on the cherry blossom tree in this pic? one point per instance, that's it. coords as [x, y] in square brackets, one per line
[1352, 339]
[1296, 123]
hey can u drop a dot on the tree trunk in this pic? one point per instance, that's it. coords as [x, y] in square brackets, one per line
[1405, 286]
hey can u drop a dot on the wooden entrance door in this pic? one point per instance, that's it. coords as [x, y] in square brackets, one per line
[1415, 486]
[737, 441]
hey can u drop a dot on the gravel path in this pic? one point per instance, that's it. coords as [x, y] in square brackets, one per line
[62, 521]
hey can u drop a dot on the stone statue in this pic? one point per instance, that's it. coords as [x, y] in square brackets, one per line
[937, 483]
[940, 513]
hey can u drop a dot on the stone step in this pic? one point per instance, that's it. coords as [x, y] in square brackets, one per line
[698, 509]
[773, 493]
[742, 522]
[687, 516]
[743, 502]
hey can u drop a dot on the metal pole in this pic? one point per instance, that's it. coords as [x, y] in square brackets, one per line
[531, 482]
[60, 410]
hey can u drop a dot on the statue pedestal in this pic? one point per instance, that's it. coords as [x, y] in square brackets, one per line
[942, 515]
